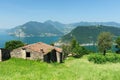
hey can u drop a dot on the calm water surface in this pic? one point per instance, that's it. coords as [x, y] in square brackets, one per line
[29, 40]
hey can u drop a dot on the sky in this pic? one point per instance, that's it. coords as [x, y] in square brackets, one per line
[18, 12]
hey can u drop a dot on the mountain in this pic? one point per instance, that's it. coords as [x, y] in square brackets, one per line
[60, 26]
[34, 28]
[57, 25]
[89, 34]
[52, 28]
[66, 28]
[95, 23]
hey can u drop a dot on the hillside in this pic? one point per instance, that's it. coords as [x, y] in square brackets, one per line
[34, 28]
[72, 69]
[56, 24]
[89, 34]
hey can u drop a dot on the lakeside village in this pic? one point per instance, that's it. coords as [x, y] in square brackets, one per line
[86, 44]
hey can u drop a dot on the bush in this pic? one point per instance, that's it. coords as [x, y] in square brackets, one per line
[75, 49]
[99, 58]
[80, 51]
[117, 58]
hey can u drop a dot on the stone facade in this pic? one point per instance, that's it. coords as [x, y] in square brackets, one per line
[26, 54]
[51, 56]
[36, 51]
[39, 51]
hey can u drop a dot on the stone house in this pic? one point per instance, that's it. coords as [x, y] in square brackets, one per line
[39, 51]
[4, 54]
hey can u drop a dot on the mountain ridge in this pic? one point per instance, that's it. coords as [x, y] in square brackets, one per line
[33, 28]
[89, 34]
[51, 28]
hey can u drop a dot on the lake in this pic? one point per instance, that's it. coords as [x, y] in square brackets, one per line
[94, 48]
[29, 40]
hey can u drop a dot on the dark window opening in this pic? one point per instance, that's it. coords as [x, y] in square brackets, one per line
[27, 54]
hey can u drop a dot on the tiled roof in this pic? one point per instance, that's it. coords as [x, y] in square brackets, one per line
[45, 47]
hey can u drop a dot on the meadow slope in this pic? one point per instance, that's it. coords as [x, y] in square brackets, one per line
[72, 69]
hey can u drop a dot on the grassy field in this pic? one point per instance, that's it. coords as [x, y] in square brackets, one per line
[72, 69]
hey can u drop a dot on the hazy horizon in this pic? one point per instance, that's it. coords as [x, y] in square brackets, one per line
[17, 12]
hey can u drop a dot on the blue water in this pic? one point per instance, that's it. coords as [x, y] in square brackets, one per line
[4, 37]
[92, 48]
[95, 48]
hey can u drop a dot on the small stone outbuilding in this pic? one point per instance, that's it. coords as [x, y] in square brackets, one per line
[39, 51]
[4, 54]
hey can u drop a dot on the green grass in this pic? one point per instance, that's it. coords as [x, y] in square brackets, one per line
[72, 69]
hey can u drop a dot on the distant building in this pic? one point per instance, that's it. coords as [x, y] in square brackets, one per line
[39, 51]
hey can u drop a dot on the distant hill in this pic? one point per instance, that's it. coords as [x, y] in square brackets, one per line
[88, 34]
[52, 28]
[57, 25]
[95, 23]
[34, 28]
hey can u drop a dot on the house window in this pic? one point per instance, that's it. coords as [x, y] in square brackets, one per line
[27, 54]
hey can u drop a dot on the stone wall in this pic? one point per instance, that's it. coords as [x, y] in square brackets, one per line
[21, 53]
[59, 57]
[16, 53]
[34, 55]
[52, 56]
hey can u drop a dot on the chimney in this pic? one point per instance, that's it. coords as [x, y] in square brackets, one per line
[41, 50]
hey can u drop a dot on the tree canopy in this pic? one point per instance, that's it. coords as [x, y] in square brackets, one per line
[117, 41]
[13, 44]
[74, 48]
[104, 41]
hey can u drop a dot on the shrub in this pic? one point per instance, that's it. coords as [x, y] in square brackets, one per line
[99, 58]
[110, 58]
[80, 51]
[75, 49]
[117, 57]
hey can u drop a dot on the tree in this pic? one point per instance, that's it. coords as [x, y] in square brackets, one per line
[66, 50]
[117, 41]
[104, 42]
[13, 44]
[73, 45]
[74, 48]
[52, 44]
